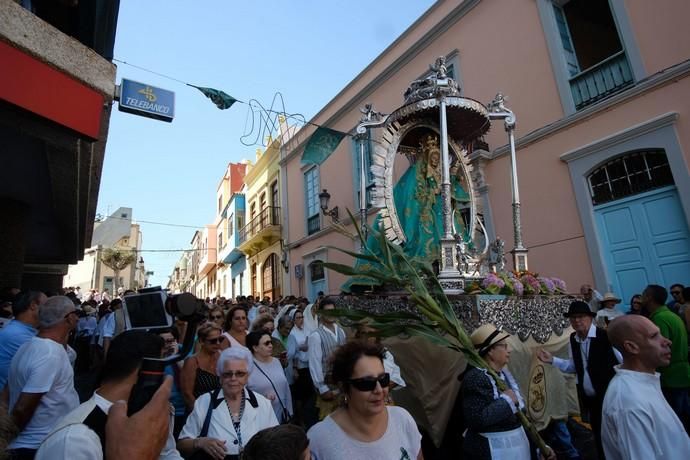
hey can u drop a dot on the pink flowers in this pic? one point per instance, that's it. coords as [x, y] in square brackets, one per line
[518, 284]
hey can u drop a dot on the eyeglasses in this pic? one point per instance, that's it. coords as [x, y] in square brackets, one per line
[215, 341]
[230, 374]
[216, 316]
[369, 383]
[169, 341]
[73, 312]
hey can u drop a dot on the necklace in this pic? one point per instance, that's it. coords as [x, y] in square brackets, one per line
[236, 421]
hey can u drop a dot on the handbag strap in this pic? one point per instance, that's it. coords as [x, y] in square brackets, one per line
[211, 405]
[274, 387]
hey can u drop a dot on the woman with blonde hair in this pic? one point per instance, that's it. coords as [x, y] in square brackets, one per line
[198, 374]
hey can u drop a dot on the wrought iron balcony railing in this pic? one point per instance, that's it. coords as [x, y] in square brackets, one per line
[267, 217]
[601, 80]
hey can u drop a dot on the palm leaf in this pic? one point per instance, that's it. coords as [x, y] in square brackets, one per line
[437, 323]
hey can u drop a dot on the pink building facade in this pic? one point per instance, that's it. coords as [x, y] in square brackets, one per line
[600, 90]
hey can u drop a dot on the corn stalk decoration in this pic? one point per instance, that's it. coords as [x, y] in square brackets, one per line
[436, 320]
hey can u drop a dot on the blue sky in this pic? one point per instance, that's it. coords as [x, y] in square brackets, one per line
[307, 50]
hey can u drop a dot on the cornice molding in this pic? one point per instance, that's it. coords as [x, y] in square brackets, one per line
[657, 80]
[621, 136]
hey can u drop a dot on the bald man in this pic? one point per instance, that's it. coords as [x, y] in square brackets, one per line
[637, 421]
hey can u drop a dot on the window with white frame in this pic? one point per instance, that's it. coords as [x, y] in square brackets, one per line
[369, 184]
[311, 193]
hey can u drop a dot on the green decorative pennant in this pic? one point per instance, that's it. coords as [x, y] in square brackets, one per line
[222, 100]
[321, 144]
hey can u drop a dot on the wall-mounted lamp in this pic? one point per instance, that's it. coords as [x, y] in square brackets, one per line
[324, 197]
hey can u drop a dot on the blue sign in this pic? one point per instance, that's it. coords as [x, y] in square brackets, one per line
[146, 100]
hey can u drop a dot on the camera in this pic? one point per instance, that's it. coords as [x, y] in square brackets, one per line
[153, 310]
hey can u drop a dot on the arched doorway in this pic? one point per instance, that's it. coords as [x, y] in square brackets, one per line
[270, 276]
[640, 222]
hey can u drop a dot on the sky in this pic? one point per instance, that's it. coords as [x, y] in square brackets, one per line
[307, 50]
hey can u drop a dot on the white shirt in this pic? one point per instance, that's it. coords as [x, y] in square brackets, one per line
[315, 358]
[41, 366]
[86, 326]
[568, 365]
[73, 440]
[638, 423]
[297, 339]
[607, 314]
[221, 427]
[401, 440]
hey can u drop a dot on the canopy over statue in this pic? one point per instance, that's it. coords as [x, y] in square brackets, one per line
[432, 207]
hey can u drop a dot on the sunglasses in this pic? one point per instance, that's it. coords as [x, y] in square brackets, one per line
[215, 341]
[230, 374]
[267, 343]
[73, 312]
[369, 383]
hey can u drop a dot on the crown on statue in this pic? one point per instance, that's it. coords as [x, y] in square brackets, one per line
[429, 143]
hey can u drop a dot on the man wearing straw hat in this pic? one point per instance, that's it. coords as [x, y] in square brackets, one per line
[592, 358]
[608, 311]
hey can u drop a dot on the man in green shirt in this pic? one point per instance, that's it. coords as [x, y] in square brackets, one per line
[675, 379]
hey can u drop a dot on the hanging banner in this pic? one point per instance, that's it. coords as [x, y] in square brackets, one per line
[321, 144]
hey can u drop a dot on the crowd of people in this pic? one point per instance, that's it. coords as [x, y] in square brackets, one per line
[284, 380]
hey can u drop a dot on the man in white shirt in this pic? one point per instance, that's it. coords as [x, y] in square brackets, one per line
[637, 421]
[322, 342]
[592, 359]
[88, 421]
[41, 379]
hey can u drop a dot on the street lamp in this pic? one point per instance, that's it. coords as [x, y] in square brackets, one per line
[324, 197]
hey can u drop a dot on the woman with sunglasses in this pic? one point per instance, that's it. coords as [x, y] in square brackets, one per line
[268, 378]
[364, 427]
[198, 374]
[224, 420]
[216, 315]
[493, 428]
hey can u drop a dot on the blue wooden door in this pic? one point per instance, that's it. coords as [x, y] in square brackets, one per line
[645, 240]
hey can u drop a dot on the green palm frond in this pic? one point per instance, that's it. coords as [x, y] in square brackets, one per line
[436, 321]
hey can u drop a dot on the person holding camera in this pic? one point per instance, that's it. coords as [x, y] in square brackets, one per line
[223, 421]
[75, 436]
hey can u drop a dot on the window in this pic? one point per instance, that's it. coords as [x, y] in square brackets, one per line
[317, 272]
[220, 204]
[587, 49]
[254, 287]
[221, 245]
[311, 191]
[274, 194]
[231, 225]
[270, 273]
[629, 174]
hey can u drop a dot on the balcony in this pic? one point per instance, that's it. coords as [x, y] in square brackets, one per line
[601, 80]
[261, 232]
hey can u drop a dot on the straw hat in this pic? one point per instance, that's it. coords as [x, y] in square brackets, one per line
[486, 336]
[610, 296]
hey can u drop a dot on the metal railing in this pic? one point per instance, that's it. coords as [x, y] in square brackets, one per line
[267, 217]
[313, 224]
[601, 80]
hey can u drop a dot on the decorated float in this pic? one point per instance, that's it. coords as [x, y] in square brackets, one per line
[428, 274]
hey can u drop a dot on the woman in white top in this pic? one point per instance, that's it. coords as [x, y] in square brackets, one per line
[365, 427]
[268, 378]
[236, 327]
[298, 363]
[234, 413]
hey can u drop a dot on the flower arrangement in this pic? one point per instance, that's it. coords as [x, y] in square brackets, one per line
[518, 284]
